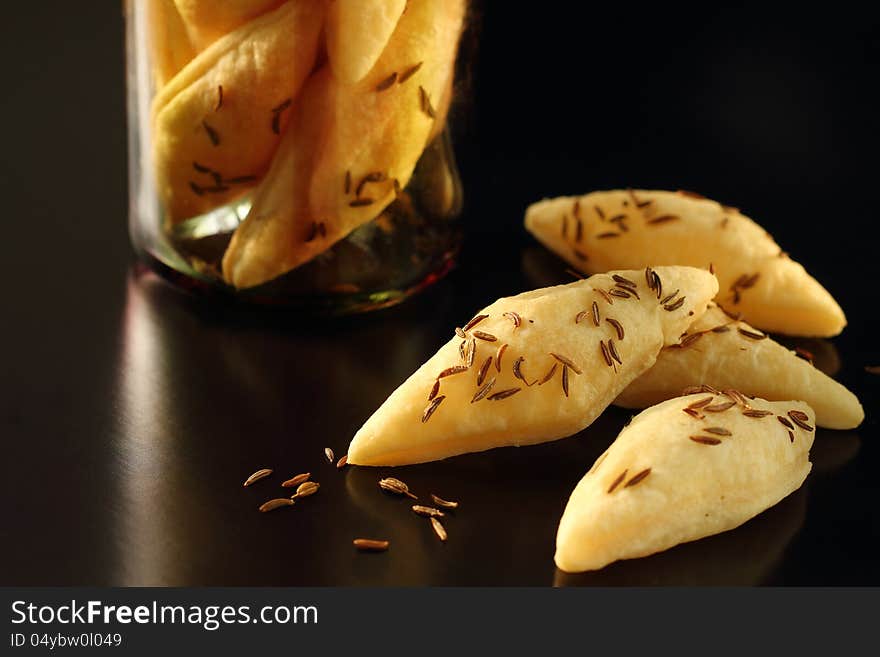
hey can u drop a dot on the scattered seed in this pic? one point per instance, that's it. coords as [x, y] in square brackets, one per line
[658, 284]
[431, 407]
[638, 477]
[446, 504]
[736, 395]
[277, 503]
[718, 431]
[425, 103]
[297, 480]
[791, 436]
[596, 318]
[564, 230]
[396, 486]
[567, 362]
[498, 356]
[306, 489]
[613, 351]
[439, 529]
[623, 280]
[515, 318]
[276, 115]
[219, 97]
[342, 462]
[580, 255]
[578, 230]
[476, 320]
[719, 407]
[605, 296]
[504, 394]
[548, 375]
[329, 454]
[754, 335]
[700, 403]
[361, 202]
[694, 413]
[461, 349]
[371, 545]
[375, 176]
[690, 339]
[668, 298]
[599, 212]
[664, 218]
[449, 371]
[427, 511]
[240, 180]
[460, 333]
[395, 183]
[675, 306]
[800, 419]
[606, 354]
[197, 189]
[213, 135]
[565, 380]
[607, 235]
[488, 337]
[580, 316]
[706, 440]
[408, 73]
[387, 82]
[754, 412]
[347, 182]
[482, 392]
[630, 290]
[785, 422]
[616, 482]
[471, 352]
[484, 369]
[721, 328]
[259, 474]
[517, 370]
[649, 278]
[623, 293]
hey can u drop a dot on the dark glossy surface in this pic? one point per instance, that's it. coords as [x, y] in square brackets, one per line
[131, 412]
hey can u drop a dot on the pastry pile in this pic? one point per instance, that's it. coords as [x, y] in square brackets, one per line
[318, 109]
[674, 320]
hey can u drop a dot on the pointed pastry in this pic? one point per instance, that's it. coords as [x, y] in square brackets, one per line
[626, 229]
[687, 468]
[534, 367]
[365, 141]
[726, 353]
[217, 123]
[357, 33]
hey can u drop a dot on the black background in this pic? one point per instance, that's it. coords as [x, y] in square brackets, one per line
[130, 412]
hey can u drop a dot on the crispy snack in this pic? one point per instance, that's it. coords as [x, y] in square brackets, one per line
[723, 357]
[667, 480]
[558, 377]
[218, 122]
[348, 148]
[631, 229]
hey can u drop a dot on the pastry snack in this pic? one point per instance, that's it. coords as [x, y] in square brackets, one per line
[352, 149]
[218, 121]
[723, 352]
[535, 367]
[687, 468]
[628, 229]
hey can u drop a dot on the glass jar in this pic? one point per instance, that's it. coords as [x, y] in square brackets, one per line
[297, 151]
